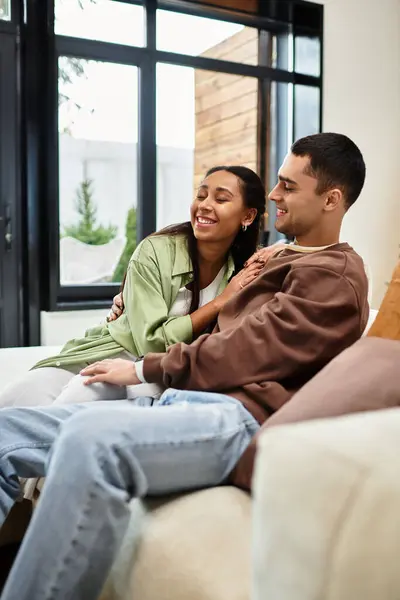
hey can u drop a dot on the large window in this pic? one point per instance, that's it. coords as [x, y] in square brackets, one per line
[150, 95]
[98, 133]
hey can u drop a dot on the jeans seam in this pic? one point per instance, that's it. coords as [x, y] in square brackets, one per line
[12, 447]
[79, 526]
[210, 438]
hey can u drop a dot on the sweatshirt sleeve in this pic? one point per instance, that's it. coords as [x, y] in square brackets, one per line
[314, 316]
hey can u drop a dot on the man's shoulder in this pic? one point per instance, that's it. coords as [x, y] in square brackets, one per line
[340, 258]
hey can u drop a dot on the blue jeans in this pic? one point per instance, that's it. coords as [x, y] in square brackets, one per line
[96, 457]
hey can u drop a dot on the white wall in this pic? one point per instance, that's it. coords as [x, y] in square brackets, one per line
[56, 328]
[362, 100]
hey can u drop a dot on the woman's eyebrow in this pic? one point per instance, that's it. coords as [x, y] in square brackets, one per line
[224, 189]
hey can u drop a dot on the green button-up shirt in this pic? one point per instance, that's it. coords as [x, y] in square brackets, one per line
[159, 267]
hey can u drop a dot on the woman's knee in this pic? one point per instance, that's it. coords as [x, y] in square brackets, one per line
[76, 392]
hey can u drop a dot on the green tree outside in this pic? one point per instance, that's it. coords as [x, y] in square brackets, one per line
[87, 230]
[130, 245]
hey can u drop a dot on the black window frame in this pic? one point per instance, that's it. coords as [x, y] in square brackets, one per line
[44, 191]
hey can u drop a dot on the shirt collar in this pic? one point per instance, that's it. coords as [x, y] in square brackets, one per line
[182, 263]
[230, 269]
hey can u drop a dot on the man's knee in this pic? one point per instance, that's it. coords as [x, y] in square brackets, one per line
[12, 423]
[82, 431]
[94, 446]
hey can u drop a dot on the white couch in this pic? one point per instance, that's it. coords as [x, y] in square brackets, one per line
[199, 546]
[327, 510]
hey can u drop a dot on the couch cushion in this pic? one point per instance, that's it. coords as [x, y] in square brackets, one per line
[193, 546]
[326, 510]
[364, 377]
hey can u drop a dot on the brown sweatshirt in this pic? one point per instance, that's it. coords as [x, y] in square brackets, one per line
[302, 310]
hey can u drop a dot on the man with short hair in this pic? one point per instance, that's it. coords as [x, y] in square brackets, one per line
[308, 304]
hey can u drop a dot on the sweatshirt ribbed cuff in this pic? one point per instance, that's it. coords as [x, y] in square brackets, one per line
[139, 371]
[152, 370]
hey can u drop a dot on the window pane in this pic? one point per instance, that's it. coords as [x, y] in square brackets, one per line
[212, 121]
[307, 55]
[105, 20]
[279, 136]
[306, 111]
[5, 10]
[98, 128]
[197, 36]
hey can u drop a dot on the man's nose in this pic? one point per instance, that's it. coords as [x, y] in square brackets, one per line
[274, 194]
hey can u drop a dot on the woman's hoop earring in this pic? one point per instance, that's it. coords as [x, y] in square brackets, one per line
[244, 227]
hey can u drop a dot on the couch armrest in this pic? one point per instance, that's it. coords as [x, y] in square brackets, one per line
[326, 518]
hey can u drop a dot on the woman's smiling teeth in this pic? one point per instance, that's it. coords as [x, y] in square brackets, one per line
[205, 221]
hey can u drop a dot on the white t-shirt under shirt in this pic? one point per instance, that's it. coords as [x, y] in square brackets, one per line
[180, 308]
[182, 302]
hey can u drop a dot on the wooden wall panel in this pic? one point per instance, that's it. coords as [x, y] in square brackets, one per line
[237, 88]
[242, 47]
[219, 130]
[226, 109]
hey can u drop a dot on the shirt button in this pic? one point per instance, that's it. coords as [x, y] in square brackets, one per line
[58, 364]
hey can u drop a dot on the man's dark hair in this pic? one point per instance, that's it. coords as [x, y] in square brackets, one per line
[335, 161]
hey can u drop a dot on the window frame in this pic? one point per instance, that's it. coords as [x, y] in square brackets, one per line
[54, 296]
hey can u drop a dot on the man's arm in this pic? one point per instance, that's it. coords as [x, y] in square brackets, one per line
[302, 325]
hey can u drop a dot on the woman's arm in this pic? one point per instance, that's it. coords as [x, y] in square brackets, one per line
[146, 311]
[205, 315]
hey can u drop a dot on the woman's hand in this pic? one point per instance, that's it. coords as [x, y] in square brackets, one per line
[117, 308]
[264, 254]
[116, 371]
[237, 283]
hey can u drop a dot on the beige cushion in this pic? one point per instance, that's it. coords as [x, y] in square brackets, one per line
[195, 546]
[327, 510]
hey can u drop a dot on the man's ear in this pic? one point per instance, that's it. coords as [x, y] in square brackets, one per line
[334, 198]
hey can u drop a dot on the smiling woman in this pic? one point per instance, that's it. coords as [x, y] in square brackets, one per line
[225, 217]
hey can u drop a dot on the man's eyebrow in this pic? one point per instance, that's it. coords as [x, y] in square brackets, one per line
[287, 180]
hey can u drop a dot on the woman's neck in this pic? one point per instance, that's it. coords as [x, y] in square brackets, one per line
[212, 258]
